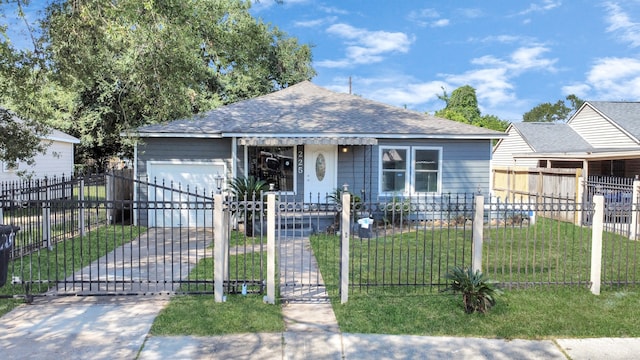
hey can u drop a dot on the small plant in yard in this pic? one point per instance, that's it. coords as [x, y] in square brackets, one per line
[478, 293]
[248, 189]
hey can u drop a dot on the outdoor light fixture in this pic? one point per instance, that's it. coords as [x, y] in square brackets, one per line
[345, 149]
[219, 179]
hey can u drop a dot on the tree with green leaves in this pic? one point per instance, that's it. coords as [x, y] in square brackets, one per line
[136, 62]
[24, 104]
[462, 106]
[556, 112]
[116, 66]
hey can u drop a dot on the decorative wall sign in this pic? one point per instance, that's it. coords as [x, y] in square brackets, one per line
[321, 167]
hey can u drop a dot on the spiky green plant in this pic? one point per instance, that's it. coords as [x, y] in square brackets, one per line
[247, 189]
[478, 292]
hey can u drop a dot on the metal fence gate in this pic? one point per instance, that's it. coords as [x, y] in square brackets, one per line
[302, 229]
[90, 236]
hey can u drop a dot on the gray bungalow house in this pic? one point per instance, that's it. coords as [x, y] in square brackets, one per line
[308, 141]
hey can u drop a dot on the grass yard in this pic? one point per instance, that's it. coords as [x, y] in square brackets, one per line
[392, 271]
[201, 315]
[63, 259]
[535, 313]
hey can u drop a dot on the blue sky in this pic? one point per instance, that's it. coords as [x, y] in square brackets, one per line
[516, 54]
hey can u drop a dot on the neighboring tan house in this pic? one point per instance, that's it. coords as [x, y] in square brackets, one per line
[308, 141]
[602, 138]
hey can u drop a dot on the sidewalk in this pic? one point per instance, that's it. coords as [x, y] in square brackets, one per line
[104, 327]
[117, 328]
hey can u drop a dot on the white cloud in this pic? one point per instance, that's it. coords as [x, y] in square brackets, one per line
[621, 24]
[543, 6]
[579, 90]
[615, 79]
[470, 13]
[427, 17]
[364, 46]
[333, 10]
[316, 22]
[493, 78]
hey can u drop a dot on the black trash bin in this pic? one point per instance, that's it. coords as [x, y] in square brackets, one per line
[7, 233]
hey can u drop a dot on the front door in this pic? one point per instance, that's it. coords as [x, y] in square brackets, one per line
[320, 171]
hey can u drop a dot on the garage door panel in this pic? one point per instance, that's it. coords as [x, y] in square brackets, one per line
[183, 197]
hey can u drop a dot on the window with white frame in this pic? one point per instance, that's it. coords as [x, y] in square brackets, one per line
[410, 169]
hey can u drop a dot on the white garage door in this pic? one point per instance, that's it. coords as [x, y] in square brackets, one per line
[194, 176]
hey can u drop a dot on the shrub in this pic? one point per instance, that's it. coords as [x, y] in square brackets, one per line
[478, 293]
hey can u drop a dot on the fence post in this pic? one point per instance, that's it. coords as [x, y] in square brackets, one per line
[634, 209]
[81, 224]
[219, 249]
[596, 244]
[478, 226]
[46, 218]
[271, 248]
[579, 199]
[345, 229]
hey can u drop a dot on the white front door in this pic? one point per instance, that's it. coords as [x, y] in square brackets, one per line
[320, 171]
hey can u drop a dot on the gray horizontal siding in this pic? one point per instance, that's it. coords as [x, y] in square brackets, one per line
[465, 165]
[180, 149]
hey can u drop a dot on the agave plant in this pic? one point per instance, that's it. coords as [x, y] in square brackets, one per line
[247, 189]
[478, 292]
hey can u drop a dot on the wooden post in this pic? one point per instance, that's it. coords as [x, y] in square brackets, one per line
[81, 224]
[46, 218]
[344, 244]
[478, 226]
[219, 249]
[579, 194]
[270, 298]
[596, 244]
[634, 209]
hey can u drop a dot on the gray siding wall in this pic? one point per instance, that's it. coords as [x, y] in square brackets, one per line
[465, 163]
[180, 149]
[465, 166]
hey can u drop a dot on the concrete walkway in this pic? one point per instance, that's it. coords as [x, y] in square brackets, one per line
[117, 328]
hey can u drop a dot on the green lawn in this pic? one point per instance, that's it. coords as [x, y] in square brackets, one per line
[63, 259]
[548, 252]
[200, 315]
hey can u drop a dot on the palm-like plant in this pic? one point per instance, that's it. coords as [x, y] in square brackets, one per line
[478, 292]
[247, 189]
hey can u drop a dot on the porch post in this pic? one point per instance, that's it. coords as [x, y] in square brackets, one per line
[345, 230]
[633, 235]
[219, 249]
[478, 226]
[271, 248]
[596, 243]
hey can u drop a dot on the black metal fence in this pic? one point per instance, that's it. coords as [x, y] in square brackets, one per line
[77, 237]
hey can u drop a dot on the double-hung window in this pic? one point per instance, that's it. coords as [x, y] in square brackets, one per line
[410, 169]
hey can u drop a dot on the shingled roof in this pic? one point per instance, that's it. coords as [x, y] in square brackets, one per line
[306, 109]
[624, 114]
[545, 137]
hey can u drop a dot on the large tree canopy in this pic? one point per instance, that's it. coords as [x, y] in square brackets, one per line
[557, 112]
[462, 106]
[113, 66]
